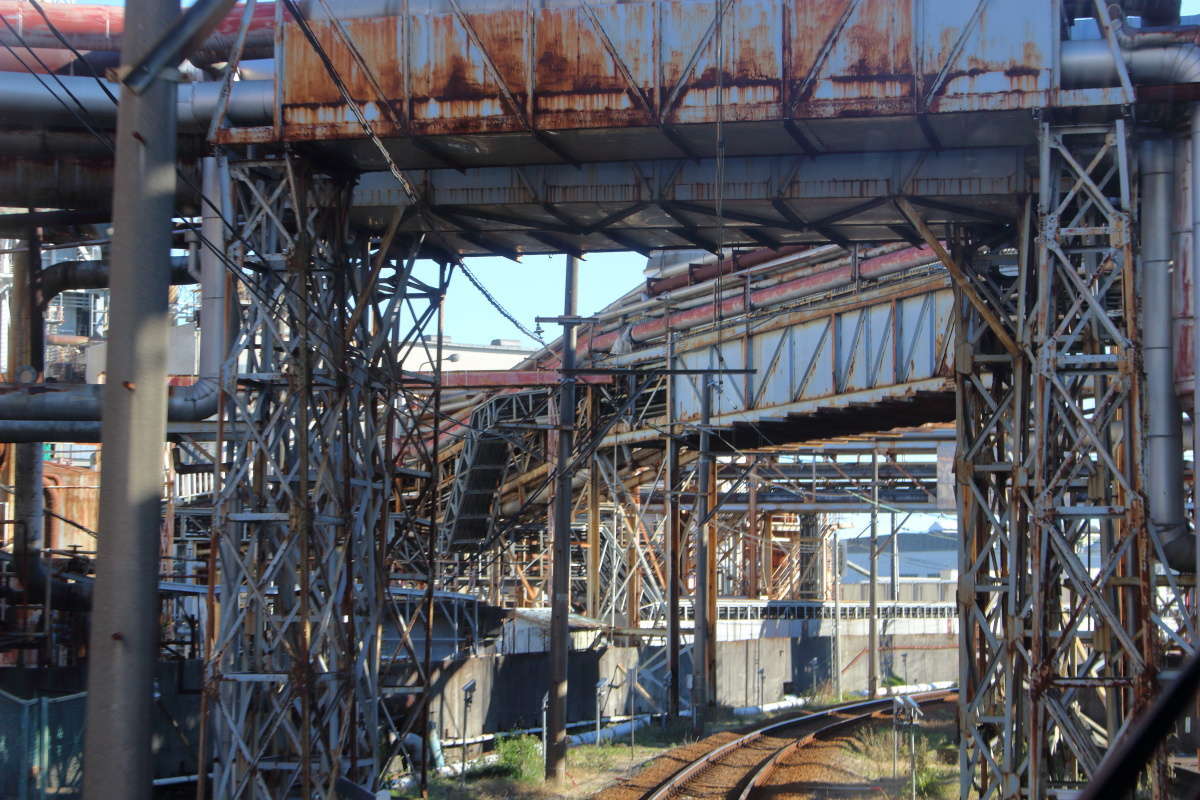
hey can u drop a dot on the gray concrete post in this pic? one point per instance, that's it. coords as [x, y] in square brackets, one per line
[124, 636]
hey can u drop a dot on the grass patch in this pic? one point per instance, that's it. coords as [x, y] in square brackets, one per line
[520, 758]
[872, 751]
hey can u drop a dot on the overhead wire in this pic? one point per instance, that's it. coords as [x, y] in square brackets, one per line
[67, 44]
[87, 120]
[390, 162]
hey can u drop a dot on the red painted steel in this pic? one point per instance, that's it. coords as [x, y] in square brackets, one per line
[869, 268]
[96, 27]
[726, 266]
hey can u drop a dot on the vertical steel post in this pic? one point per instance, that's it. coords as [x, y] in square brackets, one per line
[752, 548]
[837, 618]
[674, 557]
[556, 754]
[1194, 192]
[873, 588]
[431, 541]
[895, 560]
[124, 636]
[593, 517]
[701, 624]
[26, 350]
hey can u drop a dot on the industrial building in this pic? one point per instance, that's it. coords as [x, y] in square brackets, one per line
[906, 397]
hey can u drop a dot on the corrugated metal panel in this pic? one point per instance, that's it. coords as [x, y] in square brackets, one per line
[473, 68]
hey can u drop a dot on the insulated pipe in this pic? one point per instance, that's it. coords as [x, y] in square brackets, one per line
[1089, 64]
[55, 403]
[22, 95]
[68, 275]
[1164, 436]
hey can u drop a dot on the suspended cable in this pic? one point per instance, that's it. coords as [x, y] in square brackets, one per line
[498, 306]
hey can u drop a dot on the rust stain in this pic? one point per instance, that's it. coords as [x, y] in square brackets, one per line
[770, 47]
[74, 493]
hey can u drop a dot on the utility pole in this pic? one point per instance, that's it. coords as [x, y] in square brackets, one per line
[560, 603]
[837, 618]
[873, 589]
[673, 551]
[124, 638]
[701, 641]
[895, 561]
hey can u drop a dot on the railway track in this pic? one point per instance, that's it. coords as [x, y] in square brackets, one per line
[736, 768]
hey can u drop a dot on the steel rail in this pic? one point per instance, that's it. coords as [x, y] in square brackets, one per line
[768, 767]
[674, 782]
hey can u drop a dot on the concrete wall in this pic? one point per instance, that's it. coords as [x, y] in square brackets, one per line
[509, 689]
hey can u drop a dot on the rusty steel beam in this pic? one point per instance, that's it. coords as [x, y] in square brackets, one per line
[496, 379]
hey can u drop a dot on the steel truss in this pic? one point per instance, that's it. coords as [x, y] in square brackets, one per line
[314, 527]
[1063, 618]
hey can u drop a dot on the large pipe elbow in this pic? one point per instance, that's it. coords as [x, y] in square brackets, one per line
[1090, 64]
[67, 275]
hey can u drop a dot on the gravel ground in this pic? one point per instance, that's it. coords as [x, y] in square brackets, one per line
[842, 767]
[722, 780]
[663, 767]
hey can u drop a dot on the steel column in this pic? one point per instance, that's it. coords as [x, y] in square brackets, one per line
[675, 566]
[560, 638]
[123, 648]
[702, 639]
[873, 587]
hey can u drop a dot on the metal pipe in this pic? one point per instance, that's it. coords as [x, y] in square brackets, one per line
[123, 646]
[1164, 434]
[1089, 64]
[560, 639]
[57, 403]
[734, 263]
[70, 275]
[22, 95]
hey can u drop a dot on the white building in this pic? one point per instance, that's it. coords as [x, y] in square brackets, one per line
[500, 354]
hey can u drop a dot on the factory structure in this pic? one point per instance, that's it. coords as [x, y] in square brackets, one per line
[907, 395]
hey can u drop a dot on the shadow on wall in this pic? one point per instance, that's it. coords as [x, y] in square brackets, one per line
[42, 724]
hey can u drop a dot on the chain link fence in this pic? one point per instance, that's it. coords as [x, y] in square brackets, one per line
[41, 747]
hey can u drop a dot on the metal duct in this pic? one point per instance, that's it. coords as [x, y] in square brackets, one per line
[1164, 423]
[20, 407]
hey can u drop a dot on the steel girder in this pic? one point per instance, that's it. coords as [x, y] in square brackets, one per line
[308, 529]
[1064, 615]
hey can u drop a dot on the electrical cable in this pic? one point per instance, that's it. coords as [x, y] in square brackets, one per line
[500, 308]
[67, 44]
